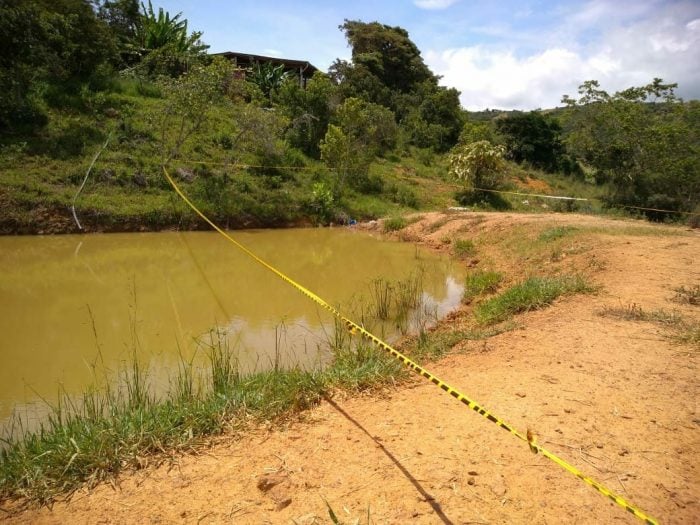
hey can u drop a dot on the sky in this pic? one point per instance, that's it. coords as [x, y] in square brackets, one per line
[502, 54]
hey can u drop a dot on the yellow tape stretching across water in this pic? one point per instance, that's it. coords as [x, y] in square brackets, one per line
[354, 328]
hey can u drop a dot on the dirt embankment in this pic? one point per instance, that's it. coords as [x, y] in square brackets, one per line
[617, 398]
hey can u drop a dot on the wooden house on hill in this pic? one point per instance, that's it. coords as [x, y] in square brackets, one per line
[301, 69]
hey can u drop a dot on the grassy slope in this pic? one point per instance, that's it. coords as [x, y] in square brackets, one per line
[40, 174]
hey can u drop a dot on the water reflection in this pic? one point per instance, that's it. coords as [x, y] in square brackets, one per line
[72, 304]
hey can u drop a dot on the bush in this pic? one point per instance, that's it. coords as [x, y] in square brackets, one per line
[478, 165]
[339, 153]
[369, 126]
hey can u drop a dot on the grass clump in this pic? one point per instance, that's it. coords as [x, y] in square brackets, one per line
[479, 283]
[634, 312]
[395, 301]
[532, 294]
[690, 295]
[689, 334]
[464, 248]
[393, 224]
[435, 344]
[558, 232]
[684, 331]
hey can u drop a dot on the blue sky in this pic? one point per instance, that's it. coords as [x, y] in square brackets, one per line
[499, 54]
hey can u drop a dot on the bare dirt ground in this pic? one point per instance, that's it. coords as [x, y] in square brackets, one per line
[617, 398]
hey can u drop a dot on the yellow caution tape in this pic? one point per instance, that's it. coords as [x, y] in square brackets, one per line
[355, 329]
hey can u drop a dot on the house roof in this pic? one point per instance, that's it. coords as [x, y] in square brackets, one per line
[245, 59]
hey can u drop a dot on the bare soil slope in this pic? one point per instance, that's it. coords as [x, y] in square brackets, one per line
[617, 398]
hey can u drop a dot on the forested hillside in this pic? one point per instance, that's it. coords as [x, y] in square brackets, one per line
[110, 91]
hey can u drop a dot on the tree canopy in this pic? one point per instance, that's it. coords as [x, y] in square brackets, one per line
[534, 138]
[387, 69]
[643, 140]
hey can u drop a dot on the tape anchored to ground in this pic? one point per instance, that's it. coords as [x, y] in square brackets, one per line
[356, 329]
[580, 199]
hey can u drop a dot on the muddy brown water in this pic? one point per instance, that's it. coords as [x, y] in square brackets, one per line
[77, 308]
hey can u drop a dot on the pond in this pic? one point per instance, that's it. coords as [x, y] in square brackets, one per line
[76, 308]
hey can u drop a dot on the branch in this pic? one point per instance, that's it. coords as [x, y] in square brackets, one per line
[87, 174]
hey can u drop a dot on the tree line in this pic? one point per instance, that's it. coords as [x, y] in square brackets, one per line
[642, 142]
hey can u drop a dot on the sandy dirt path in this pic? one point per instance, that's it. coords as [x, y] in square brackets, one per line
[617, 398]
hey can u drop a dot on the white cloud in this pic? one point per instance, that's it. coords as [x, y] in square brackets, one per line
[498, 79]
[663, 43]
[434, 4]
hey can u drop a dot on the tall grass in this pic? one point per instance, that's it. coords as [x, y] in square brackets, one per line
[381, 293]
[464, 248]
[395, 300]
[480, 282]
[107, 430]
[531, 294]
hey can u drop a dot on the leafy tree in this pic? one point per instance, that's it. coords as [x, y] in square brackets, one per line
[124, 19]
[473, 131]
[165, 43]
[340, 154]
[309, 110]
[387, 69]
[42, 43]
[478, 165]
[370, 127]
[432, 117]
[268, 77]
[189, 101]
[643, 140]
[533, 138]
[388, 54]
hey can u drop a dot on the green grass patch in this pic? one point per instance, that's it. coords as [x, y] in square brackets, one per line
[463, 248]
[432, 345]
[558, 232]
[534, 293]
[393, 224]
[480, 282]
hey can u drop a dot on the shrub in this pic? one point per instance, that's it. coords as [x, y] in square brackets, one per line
[393, 224]
[478, 165]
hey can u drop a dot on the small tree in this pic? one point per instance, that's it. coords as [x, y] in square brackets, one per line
[534, 138]
[479, 165]
[371, 127]
[189, 101]
[339, 153]
[309, 110]
[643, 140]
[165, 43]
